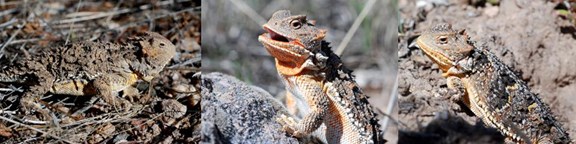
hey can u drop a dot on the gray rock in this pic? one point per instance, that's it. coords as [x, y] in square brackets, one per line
[234, 112]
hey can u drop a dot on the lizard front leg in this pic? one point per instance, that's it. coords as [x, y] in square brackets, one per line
[30, 100]
[108, 86]
[318, 103]
[456, 91]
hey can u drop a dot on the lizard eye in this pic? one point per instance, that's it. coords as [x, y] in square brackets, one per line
[296, 24]
[443, 40]
[162, 44]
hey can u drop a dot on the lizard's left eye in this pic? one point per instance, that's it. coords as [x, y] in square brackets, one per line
[443, 40]
[296, 24]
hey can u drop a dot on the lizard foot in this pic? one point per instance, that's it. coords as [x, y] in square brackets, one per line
[456, 91]
[117, 104]
[289, 125]
[29, 105]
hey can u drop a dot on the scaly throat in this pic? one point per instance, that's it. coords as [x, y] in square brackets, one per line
[289, 69]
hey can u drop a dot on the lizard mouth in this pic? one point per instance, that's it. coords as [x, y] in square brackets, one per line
[282, 47]
[277, 37]
[271, 37]
[439, 58]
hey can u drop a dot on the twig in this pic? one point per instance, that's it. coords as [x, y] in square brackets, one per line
[115, 118]
[7, 112]
[34, 129]
[249, 12]
[12, 37]
[96, 15]
[151, 20]
[23, 41]
[109, 18]
[154, 18]
[391, 105]
[6, 89]
[28, 140]
[4, 3]
[89, 105]
[6, 12]
[71, 24]
[139, 125]
[355, 26]
[34, 122]
[13, 20]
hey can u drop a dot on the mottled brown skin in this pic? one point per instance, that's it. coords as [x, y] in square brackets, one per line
[91, 68]
[491, 89]
[318, 82]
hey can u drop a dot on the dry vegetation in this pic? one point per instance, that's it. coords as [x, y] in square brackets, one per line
[165, 111]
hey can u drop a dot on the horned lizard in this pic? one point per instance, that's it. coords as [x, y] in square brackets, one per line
[489, 88]
[317, 79]
[90, 68]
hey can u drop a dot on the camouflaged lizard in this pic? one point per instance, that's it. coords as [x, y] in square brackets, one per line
[317, 79]
[490, 89]
[90, 68]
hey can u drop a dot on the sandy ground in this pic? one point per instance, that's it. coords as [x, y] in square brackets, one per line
[530, 36]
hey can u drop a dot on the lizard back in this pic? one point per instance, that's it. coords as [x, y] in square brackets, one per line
[511, 101]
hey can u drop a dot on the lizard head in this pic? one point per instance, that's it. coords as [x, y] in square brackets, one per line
[156, 52]
[291, 39]
[445, 46]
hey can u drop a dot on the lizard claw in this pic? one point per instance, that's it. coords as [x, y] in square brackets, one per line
[122, 105]
[117, 104]
[288, 125]
[30, 104]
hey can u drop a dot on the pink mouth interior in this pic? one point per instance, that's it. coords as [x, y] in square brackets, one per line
[277, 37]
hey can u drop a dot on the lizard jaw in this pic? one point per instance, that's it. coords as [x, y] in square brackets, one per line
[444, 62]
[283, 48]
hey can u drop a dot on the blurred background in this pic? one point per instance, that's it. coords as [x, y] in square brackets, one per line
[230, 30]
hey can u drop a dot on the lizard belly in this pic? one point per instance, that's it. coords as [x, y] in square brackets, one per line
[339, 128]
[296, 96]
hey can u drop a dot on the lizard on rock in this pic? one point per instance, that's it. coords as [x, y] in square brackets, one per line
[319, 82]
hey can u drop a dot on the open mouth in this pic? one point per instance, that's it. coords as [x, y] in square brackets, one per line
[283, 48]
[278, 40]
[275, 36]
